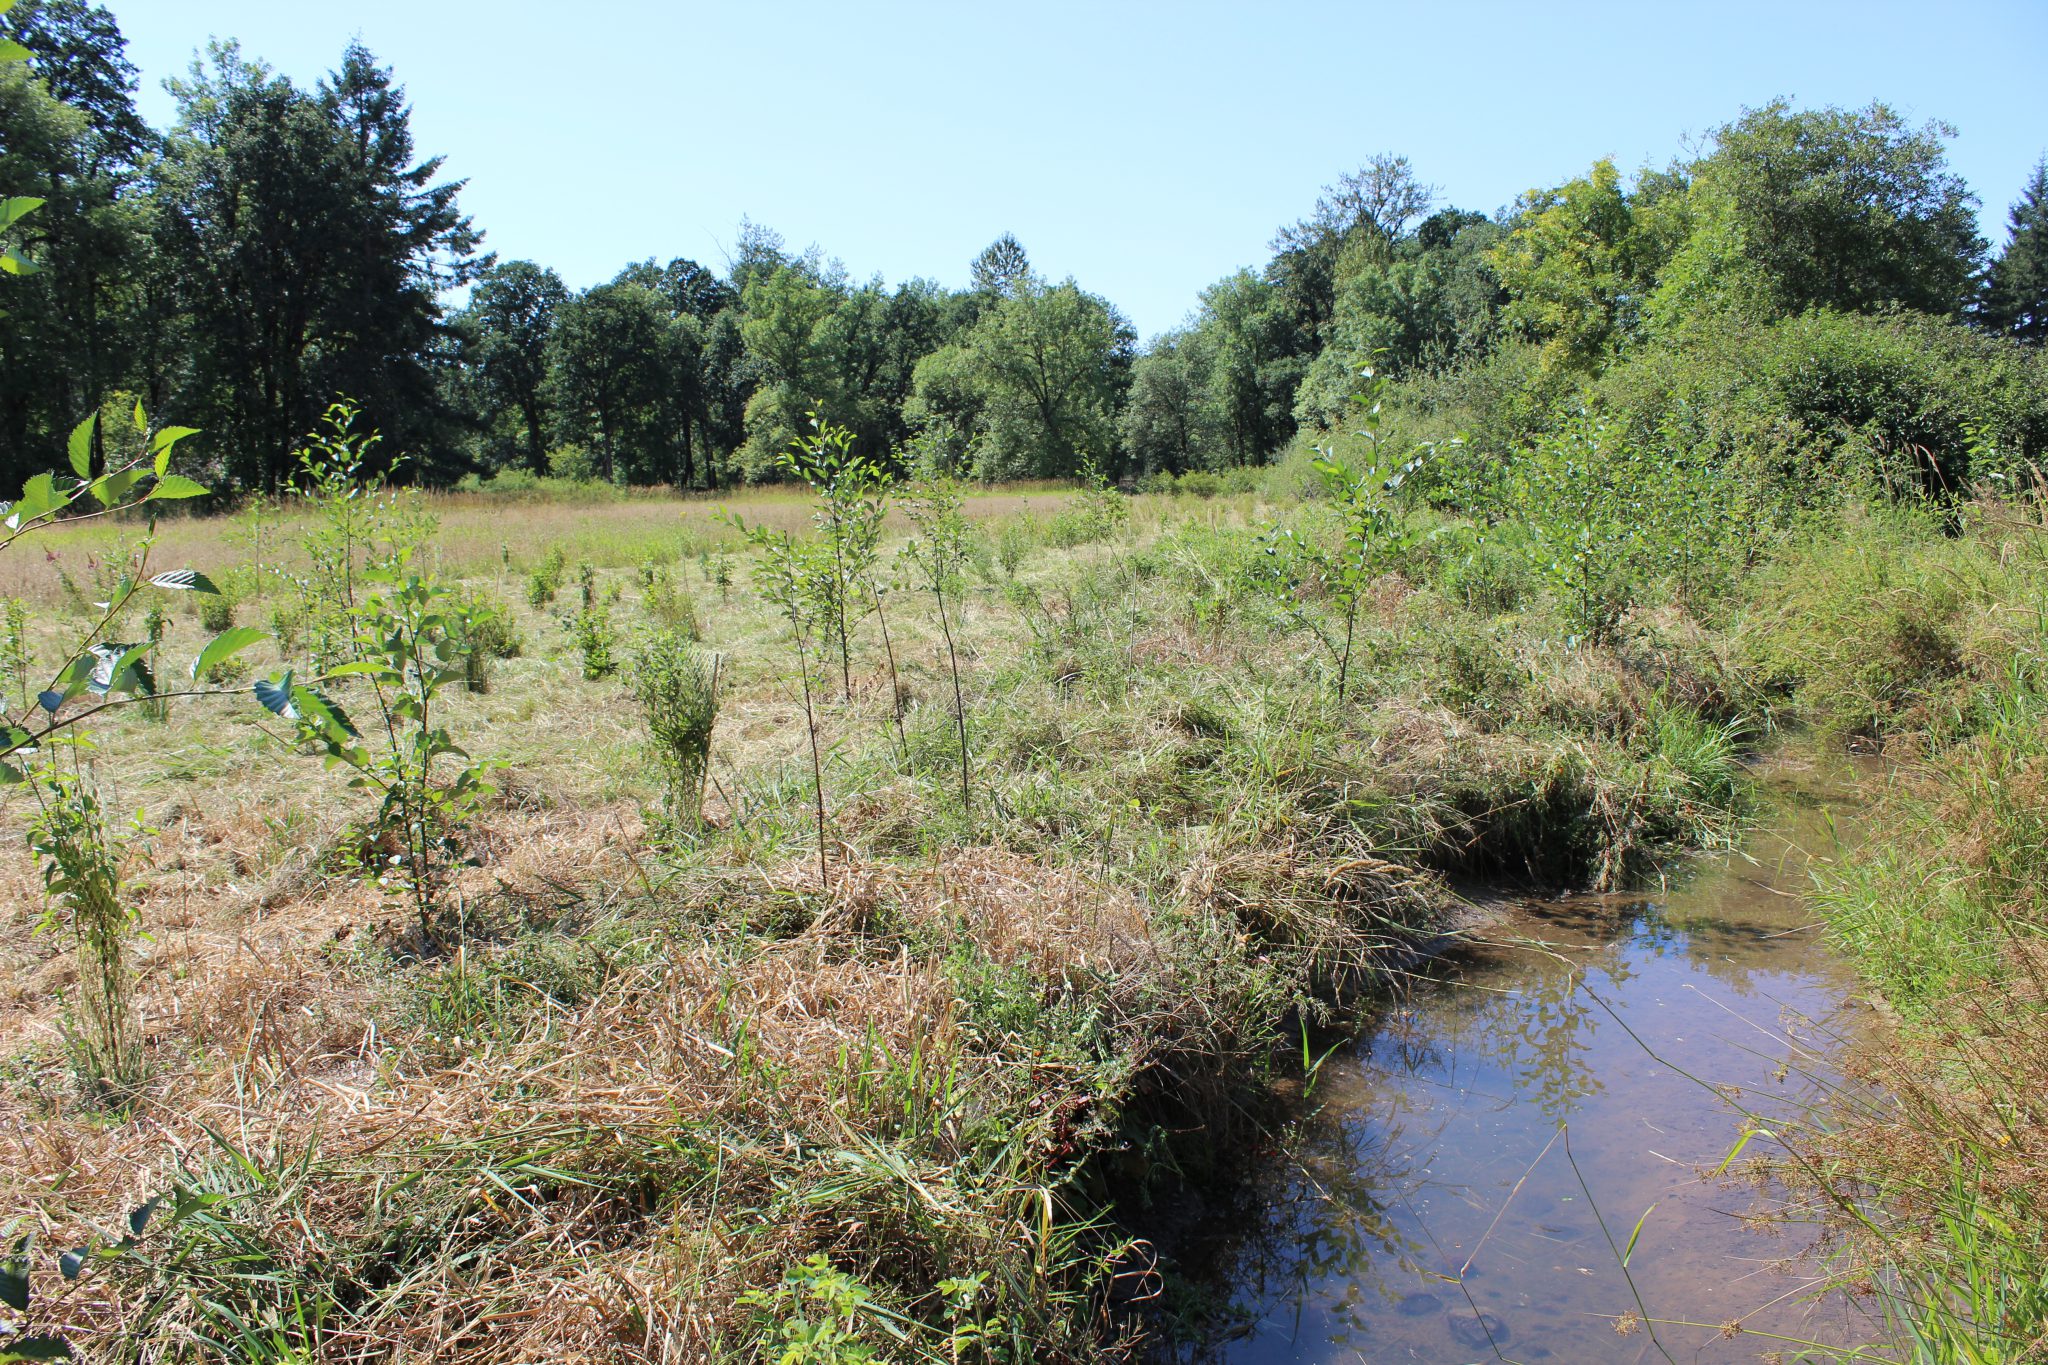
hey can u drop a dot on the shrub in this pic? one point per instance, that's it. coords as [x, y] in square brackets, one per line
[678, 693]
[81, 858]
[360, 525]
[288, 624]
[670, 604]
[216, 612]
[597, 642]
[488, 633]
[488, 624]
[544, 580]
[1071, 526]
[1097, 512]
[1806, 401]
[1015, 538]
[1600, 516]
[1485, 576]
[16, 660]
[409, 638]
[1371, 529]
[572, 462]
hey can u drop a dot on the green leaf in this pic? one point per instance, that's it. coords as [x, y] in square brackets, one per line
[35, 1348]
[141, 421]
[175, 485]
[1630, 1249]
[13, 262]
[11, 776]
[276, 696]
[112, 488]
[184, 580]
[170, 436]
[68, 683]
[14, 1279]
[80, 446]
[16, 208]
[225, 646]
[320, 711]
[138, 1217]
[11, 51]
[39, 497]
[361, 668]
[120, 668]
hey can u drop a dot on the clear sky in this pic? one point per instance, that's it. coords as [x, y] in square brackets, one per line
[1146, 149]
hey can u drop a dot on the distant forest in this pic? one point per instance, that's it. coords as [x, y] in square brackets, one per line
[276, 247]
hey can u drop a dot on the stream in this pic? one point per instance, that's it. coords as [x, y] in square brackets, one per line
[1468, 1183]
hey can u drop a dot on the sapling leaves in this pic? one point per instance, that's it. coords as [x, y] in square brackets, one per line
[184, 580]
[120, 668]
[170, 486]
[275, 695]
[79, 446]
[225, 646]
[14, 1278]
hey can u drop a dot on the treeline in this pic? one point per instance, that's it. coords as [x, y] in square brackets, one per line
[275, 247]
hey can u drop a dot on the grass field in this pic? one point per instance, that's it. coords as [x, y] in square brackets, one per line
[661, 1092]
[646, 1078]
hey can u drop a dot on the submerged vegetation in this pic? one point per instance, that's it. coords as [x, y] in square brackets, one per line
[817, 928]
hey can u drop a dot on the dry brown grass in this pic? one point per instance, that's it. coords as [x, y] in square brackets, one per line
[476, 532]
[652, 1080]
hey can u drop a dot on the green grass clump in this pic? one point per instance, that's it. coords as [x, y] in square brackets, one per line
[544, 580]
[677, 688]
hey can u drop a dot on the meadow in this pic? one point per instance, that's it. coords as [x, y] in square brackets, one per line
[479, 898]
[643, 1068]
[766, 1004]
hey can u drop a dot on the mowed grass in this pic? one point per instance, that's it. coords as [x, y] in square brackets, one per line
[648, 1081]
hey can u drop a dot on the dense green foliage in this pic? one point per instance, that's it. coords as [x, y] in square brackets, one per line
[276, 247]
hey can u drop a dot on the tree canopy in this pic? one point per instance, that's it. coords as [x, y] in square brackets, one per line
[276, 247]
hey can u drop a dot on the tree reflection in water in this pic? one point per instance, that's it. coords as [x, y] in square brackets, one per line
[1430, 1146]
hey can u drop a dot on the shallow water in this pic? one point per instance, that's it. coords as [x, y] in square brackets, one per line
[1470, 1181]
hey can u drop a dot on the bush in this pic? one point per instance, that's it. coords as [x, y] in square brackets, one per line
[216, 611]
[678, 692]
[81, 855]
[1601, 516]
[1809, 401]
[670, 604]
[1015, 538]
[1071, 526]
[544, 580]
[572, 462]
[1486, 576]
[288, 624]
[597, 642]
[1498, 402]
[523, 485]
[489, 634]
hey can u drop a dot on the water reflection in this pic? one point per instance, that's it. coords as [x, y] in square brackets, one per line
[1455, 1196]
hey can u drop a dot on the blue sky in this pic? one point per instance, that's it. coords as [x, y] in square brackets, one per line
[1146, 149]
